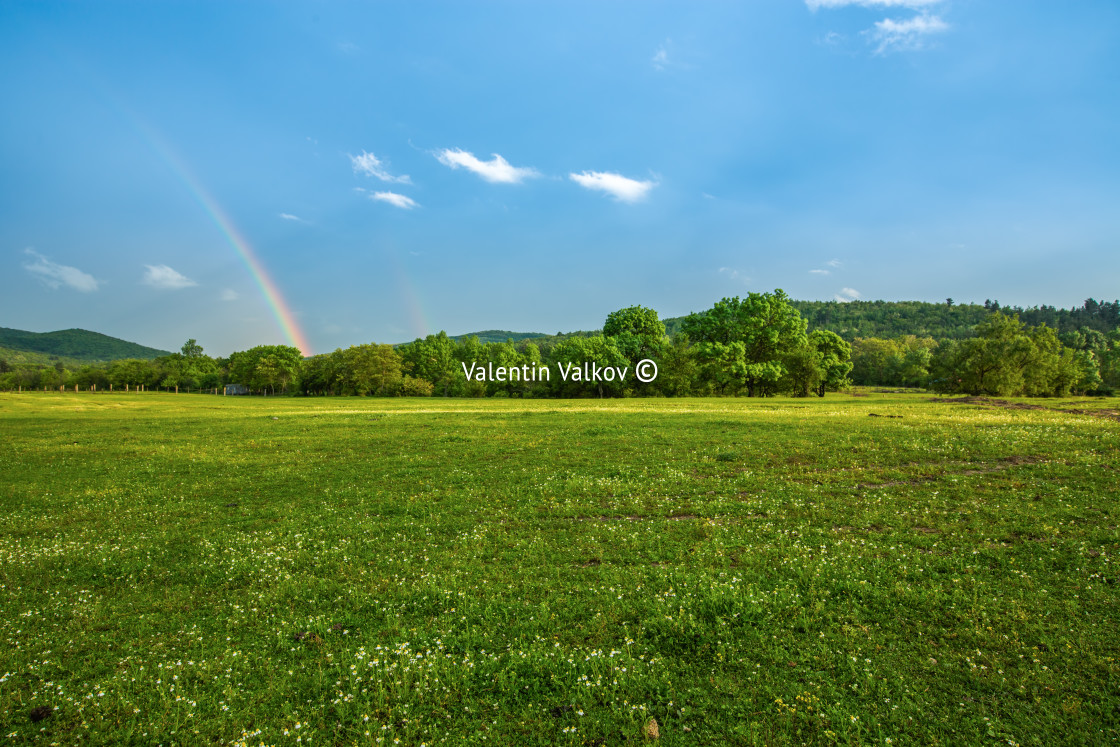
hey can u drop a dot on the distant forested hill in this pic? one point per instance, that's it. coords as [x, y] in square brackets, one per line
[498, 335]
[76, 343]
[852, 319]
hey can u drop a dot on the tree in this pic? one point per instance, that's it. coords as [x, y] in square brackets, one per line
[433, 359]
[266, 367]
[320, 374]
[371, 369]
[1005, 358]
[804, 370]
[191, 349]
[636, 320]
[638, 334]
[678, 374]
[834, 360]
[575, 351]
[132, 372]
[743, 342]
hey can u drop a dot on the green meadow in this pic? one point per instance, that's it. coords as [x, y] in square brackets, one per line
[878, 569]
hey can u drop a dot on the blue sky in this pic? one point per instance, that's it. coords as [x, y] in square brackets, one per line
[401, 168]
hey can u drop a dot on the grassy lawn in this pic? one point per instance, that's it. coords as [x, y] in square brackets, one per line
[877, 570]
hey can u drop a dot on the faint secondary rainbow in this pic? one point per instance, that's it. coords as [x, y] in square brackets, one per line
[269, 290]
[407, 289]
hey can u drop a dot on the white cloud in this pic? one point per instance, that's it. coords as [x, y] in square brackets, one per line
[395, 199]
[55, 275]
[371, 165]
[909, 34]
[620, 187]
[668, 57]
[847, 294]
[497, 170]
[734, 274]
[820, 272]
[229, 294]
[289, 216]
[833, 263]
[162, 276]
[816, 4]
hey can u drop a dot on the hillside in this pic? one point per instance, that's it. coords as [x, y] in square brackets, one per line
[498, 335]
[75, 343]
[852, 319]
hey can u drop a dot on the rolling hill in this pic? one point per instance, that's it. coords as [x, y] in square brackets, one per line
[80, 344]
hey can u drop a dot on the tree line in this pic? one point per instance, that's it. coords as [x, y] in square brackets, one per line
[760, 345]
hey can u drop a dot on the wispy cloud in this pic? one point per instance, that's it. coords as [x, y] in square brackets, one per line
[162, 276]
[847, 294]
[371, 165]
[892, 34]
[816, 4]
[293, 218]
[734, 274]
[229, 294]
[54, 275]
[395, 199]
[620, 187]
[668, 57]
[833, 263]
[895, 35]
[497, 170]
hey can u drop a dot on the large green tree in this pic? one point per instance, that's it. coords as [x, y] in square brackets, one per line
[266, 368]
[638, 334]
[371, 369]
[743, 342]
[433, 359]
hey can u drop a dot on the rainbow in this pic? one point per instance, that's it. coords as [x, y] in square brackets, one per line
[268, 288]
[285, 319]
[418, 321]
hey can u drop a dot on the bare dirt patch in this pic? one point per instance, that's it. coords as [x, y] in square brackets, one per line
[999, 466]
[1007, 404]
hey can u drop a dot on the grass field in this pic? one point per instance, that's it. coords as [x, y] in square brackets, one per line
[878, 570]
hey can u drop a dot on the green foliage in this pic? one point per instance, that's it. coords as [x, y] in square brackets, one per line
[636, 332]
[499, 335]
[575, 351]
[903, 361]
[132, 372]
[266, 368]
[189, 369]
[369, 369]
[413, 387]
[76, 343]
[836, 359]
[743, 342]
[433, 359]
[1006, 358]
